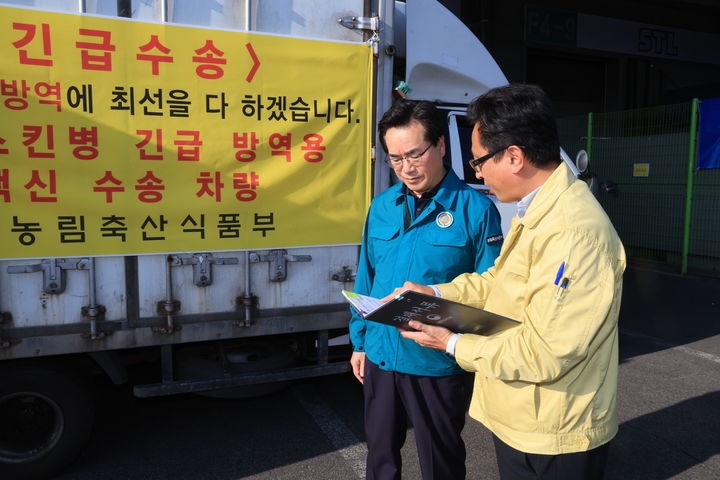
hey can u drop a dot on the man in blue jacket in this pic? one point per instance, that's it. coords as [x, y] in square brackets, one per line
[427, 229]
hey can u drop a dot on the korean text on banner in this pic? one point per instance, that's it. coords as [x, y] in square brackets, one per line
[123, 137]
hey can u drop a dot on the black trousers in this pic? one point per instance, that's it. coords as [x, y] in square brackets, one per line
[435, 406]
[516, 465]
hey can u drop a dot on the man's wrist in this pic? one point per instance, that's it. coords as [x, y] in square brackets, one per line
[436, 290]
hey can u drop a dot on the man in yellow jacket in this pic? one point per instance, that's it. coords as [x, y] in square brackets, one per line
[547, 388]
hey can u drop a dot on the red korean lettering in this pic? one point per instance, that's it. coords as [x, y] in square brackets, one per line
[88, 138]
[155, 59]
[150, 188]
[37, 181]
[18, 93]
[3, 151]
[33, 133]
[245, 186]
[210, 58]
[109, 190]
[144, 152]
[314, 147]
[5, 184]
[96, 61]
[30, 31]
[189, 150]
[247, 145]
[280, 145]
[210, 185]
[51, 92]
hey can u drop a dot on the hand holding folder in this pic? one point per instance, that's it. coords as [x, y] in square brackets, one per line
[409, 305]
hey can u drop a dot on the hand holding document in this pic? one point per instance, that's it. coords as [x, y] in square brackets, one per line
[428, 309]
[362, 303]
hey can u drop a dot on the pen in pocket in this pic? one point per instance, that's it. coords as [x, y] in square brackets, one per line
[561, 288]
[559, 273]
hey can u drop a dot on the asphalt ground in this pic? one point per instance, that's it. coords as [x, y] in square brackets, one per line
[668, 399]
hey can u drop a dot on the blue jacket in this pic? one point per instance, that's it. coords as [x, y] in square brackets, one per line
[457, 232]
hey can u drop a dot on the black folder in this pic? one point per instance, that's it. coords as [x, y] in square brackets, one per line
[458, 317]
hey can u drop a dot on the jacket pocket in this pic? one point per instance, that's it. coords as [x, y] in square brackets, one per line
[445, 238]
[446, 254]
[384, 246]
[384, 232]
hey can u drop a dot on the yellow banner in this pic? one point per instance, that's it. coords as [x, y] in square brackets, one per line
[124, 137]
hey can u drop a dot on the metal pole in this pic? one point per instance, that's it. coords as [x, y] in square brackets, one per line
[689, 186]
[92, 298]
[588, 141]
[247, 321]
[168, 304]
[383, 87]
[247, 298]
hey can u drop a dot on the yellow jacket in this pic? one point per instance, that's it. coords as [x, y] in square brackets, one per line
[549, 385]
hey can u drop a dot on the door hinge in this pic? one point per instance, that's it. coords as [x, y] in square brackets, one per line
[372, 24]
[278, 262]
[53, 270]
[202, 265]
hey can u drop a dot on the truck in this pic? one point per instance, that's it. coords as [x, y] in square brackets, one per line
[210, 320]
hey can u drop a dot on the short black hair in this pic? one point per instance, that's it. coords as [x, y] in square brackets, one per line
[404, 112]
[518, 114]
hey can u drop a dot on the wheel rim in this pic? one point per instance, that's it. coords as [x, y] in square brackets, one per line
[32, 425]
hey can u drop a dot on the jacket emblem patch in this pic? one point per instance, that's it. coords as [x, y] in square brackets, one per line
[444, 219]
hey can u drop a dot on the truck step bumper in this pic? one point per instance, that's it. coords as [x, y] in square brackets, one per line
[190, 386]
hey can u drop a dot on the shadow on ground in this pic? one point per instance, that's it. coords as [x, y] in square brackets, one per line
[674, 309]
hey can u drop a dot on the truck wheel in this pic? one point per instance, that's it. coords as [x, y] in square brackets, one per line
[46, 417]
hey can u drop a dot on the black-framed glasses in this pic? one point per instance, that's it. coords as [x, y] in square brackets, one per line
[396, 161]
[476, 162]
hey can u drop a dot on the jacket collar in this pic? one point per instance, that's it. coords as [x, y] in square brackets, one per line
[445, 194]
[548, 195]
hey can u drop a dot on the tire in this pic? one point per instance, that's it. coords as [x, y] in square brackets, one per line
[46, 417]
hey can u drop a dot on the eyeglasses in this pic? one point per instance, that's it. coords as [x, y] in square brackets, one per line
[476, 162]
[413, 159]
